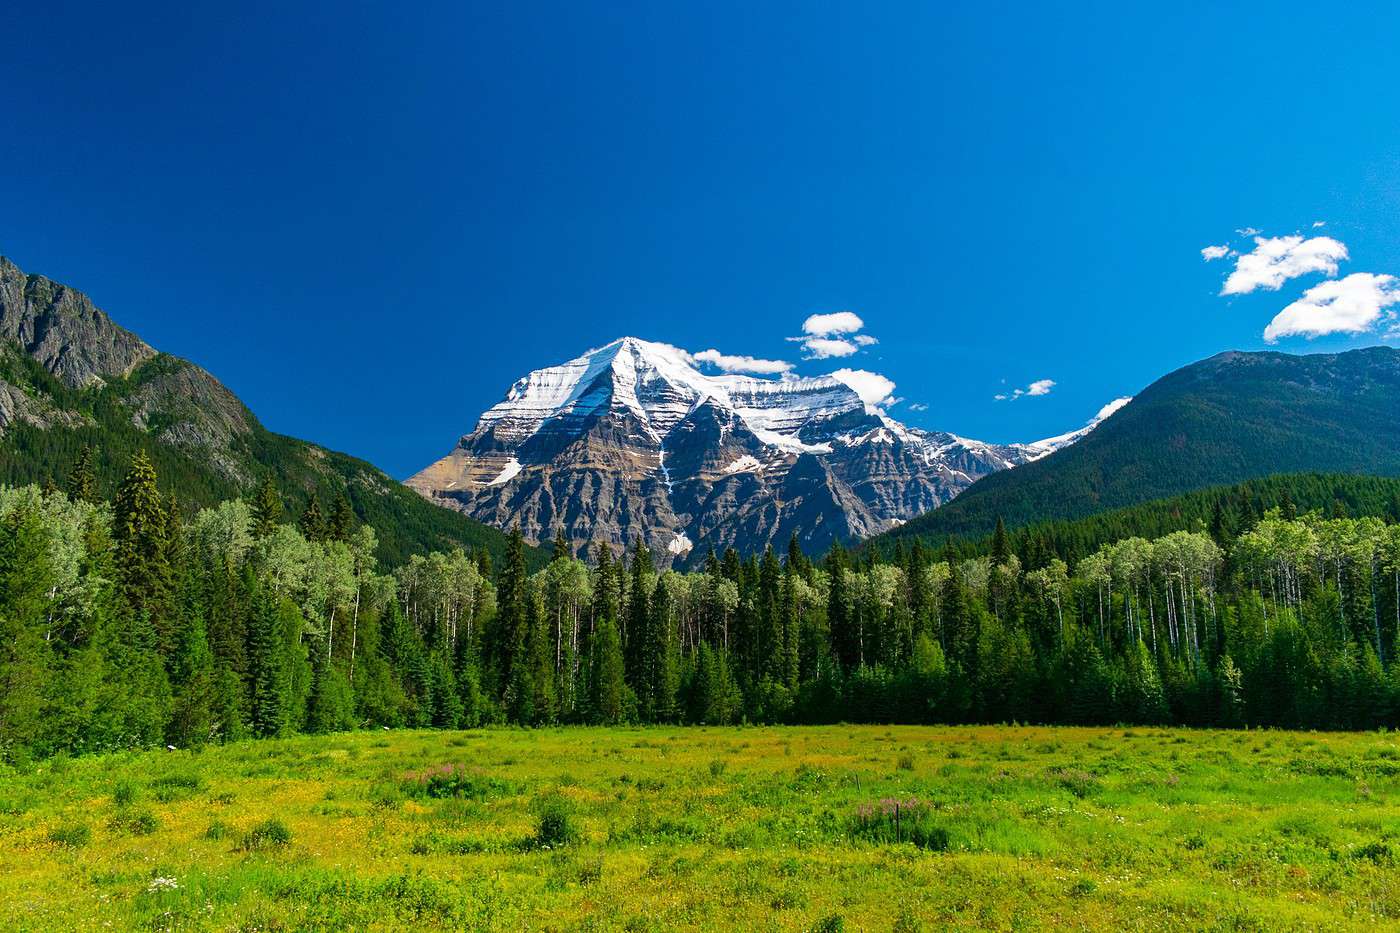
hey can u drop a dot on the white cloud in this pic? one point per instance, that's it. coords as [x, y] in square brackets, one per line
[917, 406]
[833, 336]
[1038, 387]
[1249, 231]
[742, 364]
[825, 348]
[1350, 305]
[840, 322]
[1275, 260]
[1319, 223]
[1212, 253]
[875, 390]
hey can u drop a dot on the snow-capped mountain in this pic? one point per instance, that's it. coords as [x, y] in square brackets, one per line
[633, 439]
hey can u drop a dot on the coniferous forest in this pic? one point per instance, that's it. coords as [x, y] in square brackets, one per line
[129, 623]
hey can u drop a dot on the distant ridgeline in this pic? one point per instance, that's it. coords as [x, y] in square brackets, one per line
[70, 378]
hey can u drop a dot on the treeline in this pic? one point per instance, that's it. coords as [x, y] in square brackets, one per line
[131, 624]
[1224, 511]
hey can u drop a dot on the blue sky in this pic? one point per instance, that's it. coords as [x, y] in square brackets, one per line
[369, 219]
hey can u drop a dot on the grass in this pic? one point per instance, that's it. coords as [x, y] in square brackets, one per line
[831, 828]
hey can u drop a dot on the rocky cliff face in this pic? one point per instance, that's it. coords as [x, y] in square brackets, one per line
[63, 331]
[632, 439]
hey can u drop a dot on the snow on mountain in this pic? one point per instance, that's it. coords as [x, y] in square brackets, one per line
[633, 438]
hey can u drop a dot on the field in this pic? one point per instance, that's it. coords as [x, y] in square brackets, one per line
[856, 828]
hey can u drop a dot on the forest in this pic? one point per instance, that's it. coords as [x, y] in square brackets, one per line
[130, 624]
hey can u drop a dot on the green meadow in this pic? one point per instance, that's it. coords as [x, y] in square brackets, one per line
[784, 828]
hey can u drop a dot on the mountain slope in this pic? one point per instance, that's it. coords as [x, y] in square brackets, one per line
[633, 439]
[70, 376]
[1232, 417]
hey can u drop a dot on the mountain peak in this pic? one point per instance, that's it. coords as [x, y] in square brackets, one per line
[634, 438]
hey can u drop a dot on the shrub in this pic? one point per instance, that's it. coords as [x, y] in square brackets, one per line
[1079, 783]
[269, 834]
[905, 762]
[453, 781]
[217, 830]
[717, 766]
[70, 835]
[124, 793]
[555, 826]
[138, 824]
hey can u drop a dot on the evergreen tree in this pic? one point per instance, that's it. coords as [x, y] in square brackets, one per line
[82, 479]
[312, 522]
[342, 520]
[143, 567]
[635, 640]
[513, 624]
[608, 688]
[267, 508]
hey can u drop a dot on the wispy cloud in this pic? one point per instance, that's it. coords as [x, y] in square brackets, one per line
[1212, 253]
[825, 348]
[742, 364]
[1039, 387]
[917, 406]
[1275, 260]
[1351, 305]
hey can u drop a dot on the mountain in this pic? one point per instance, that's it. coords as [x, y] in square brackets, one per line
[632, 439]
[1232, 417]
[70, 377]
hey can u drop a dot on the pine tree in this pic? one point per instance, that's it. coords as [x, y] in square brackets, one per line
[342, 520]
[82, 479]
[1001, 545]
[607, 690]
[512, 622]
[312, 522]
[269, 706]
[845, 642]
[635, 642]
[143, 568]
[267, 508]
[561, 545]
[662, 662]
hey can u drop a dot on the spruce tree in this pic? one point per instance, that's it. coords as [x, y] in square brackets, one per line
[312, 522]
[82, 479]
[512, 630]
[269, 706]
[143, 568]
[342, 520]
[635, 641]
[267, 508]
[1001, 545]
[607, 690]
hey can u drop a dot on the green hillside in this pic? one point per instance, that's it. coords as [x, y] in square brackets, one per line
[1233, 417]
